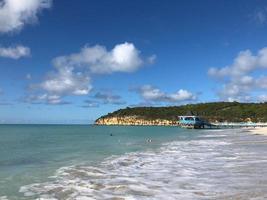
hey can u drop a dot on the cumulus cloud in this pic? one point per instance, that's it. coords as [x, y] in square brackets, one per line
[72, 73]
[59, 84]
[15, 52]
[238, 79]
[150, 93]
[97, 59]
[14, 14]
[181, 95]
[66, 82]
[243, 64]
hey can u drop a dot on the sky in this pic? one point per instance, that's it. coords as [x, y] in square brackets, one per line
[74, 61]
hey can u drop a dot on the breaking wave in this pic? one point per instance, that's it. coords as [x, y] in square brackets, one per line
[204, 168]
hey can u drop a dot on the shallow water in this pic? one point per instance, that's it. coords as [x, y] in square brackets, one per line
[85, 162]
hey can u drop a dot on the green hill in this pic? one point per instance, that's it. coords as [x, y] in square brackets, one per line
[216, 111]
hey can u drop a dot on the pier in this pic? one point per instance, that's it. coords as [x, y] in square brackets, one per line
[233, 125]
[195, 122]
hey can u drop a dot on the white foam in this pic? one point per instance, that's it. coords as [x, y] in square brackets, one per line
[196, 169]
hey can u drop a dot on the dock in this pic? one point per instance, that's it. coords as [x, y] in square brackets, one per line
[195, 122]
[233, 125]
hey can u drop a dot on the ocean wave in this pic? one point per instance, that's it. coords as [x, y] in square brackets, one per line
[195, 169]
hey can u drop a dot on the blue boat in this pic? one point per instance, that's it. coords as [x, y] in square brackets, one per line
[191, 122]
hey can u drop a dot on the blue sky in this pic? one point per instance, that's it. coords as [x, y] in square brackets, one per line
[73, 61]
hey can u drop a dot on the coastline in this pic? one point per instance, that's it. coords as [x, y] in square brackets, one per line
[135, 121]
[210, 166]
[256, 128]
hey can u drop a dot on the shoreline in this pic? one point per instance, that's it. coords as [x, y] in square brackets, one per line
[251, 130]
[202, 161]
[257, 130]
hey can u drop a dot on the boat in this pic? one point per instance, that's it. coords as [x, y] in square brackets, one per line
[191, 121]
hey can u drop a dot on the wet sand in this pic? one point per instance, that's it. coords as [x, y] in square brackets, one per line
[258, 130]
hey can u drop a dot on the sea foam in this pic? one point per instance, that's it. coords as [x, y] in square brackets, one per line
[203, 168]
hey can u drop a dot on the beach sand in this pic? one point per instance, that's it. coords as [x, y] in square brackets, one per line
[258, 130]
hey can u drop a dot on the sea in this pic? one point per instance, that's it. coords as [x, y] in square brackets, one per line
[50, 162]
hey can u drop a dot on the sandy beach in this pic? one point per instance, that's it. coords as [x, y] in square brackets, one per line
[258, 130]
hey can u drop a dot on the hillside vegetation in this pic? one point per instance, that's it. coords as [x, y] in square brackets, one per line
[217, 111]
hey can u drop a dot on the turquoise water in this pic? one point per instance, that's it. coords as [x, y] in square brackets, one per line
[86, 162]
[31, 153]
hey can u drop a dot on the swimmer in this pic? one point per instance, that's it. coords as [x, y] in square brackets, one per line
[111, 134]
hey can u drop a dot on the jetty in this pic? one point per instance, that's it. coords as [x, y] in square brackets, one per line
[235, 125]
[195, 122]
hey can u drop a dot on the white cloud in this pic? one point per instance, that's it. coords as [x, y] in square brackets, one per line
[45, 99]
[72, 74]
[67, 82]
[238, 77]
[15, 52]
[243, 64]
[181, 95]
[240, 88]
[14, 14]
[232, 92]
[150, 93]
[97, 59]
[59, 84]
